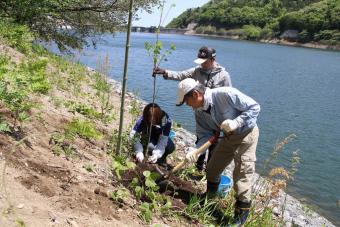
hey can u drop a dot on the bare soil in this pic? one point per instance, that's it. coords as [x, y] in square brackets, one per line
[40, 188]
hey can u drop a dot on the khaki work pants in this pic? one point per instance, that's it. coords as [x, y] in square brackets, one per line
[241, 148]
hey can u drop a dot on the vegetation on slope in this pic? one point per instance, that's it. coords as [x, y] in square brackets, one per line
[70, 23]
[91, 120]
[266, 19]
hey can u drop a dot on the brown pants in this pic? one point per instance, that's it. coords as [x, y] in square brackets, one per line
[241, 148]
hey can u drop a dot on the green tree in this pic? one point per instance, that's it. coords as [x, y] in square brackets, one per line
[70, 22]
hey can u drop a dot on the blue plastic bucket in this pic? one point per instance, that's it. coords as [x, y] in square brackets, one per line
[225, 185]
[172, 135]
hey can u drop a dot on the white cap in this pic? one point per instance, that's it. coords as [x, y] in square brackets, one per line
[200, 61]
[184, 87]
[204, 54]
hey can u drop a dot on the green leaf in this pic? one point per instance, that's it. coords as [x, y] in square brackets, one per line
[150, 183]
[4, 127]
[147, 173]
[139, 191]
[131, 165]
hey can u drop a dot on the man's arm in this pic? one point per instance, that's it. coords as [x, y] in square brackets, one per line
[248, 107]
[178, 75]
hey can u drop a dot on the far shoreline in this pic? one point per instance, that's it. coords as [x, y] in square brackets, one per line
[272, 41]
[278, 41]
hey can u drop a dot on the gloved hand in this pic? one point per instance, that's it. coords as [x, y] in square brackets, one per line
[190, 156]
[229, 125]
[132, 134]
[140, 157]
[159, 71]
[156, 154]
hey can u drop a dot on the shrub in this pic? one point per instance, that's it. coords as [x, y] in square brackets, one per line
[17, 36]
[206, 30]
[82, 128]
[235, 32]
[221, 31]
[327, 35]
[304, 36]
[35, 72]
[252, 32]
[266, 33]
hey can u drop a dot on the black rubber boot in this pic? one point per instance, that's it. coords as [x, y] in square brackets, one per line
[212, 189]
[242, 210]
[200, 162]
[216, 211]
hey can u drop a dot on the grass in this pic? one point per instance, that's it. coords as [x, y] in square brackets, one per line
[82, 128]
[89, 167]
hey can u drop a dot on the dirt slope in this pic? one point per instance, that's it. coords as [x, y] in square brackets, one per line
[39, 188]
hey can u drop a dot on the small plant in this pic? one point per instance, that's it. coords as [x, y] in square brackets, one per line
[17, 36]
[120, 195]
[57, 101]
[4, 65]
[62, 146]
[135, 110]
[20, 222]
[82, 128]
[120, 164]
[17, 84]
[35, 74]
[4, 126]
[89, 167]
[137, 187]
[200, 210]
[146, 212]
[270, 187]
[103, 87]
[190, 172]
[83, 109]
[150, 180]
[16, 98]
[156, 51]
[126, 144]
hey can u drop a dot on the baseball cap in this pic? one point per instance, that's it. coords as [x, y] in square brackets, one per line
[184, 87]
[204, 54]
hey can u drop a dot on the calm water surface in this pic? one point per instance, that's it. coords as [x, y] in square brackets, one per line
[298, 90]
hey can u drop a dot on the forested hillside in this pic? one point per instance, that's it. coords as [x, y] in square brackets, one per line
[267, 19]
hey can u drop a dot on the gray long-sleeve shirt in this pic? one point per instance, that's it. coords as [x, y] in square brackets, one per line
[217, 77]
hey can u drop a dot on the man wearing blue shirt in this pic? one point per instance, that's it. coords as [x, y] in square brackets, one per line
[209, 73]
[234, 113]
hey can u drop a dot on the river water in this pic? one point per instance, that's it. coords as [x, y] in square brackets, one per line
[298, 89]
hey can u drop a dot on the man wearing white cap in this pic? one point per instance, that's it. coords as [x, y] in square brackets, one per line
[235, 114]
[210, 74]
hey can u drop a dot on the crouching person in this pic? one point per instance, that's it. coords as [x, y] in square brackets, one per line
[160, 145]
[235, 114]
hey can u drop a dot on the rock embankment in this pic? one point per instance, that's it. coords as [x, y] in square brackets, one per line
[295, 213]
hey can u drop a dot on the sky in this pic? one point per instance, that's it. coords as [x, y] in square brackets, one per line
[147, 20]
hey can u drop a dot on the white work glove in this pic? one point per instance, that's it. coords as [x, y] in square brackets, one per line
[156, 154]
[132, 134]
[190, 156]
[140, 157]
[139, 151]
[229, 126]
